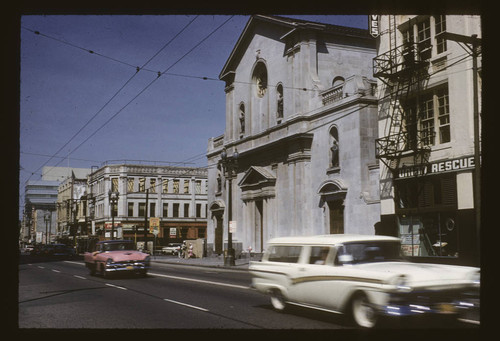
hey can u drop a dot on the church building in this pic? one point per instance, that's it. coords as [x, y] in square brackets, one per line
[297, 156]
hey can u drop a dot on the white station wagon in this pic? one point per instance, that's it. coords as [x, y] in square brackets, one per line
[363, 276]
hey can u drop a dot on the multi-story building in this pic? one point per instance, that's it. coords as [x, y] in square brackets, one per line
[72, 209]
[175, 195]
[429, 70]
[40, 210]
[301, 113]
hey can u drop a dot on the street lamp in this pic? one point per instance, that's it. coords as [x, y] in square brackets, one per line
[47, 220]
[229, 167]
[113, 199]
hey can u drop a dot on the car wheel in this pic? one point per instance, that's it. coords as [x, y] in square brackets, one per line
[277, 300]
[363, 312]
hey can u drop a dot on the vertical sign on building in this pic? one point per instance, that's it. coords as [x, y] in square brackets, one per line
[373, 25]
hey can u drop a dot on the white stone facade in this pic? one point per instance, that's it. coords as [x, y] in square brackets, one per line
[294, 89]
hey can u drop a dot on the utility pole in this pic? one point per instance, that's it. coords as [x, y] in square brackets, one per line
[473, 43]
[146, 221]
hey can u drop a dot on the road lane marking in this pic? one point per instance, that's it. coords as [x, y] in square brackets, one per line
[200, 281]
[79, 263]
[55, 270]
[41, 267]
[115, 286]
[185, 304]
[79, 277]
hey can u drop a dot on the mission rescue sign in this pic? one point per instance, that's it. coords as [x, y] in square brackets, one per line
[452, 165]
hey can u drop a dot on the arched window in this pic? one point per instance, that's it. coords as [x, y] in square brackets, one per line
[338, 81]
[260, 79]
[242, 118]
[334, 147]
[279, 100]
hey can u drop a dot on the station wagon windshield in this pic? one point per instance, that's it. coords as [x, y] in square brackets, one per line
[364, 252]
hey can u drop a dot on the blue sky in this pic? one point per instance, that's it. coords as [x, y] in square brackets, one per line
[65, 89]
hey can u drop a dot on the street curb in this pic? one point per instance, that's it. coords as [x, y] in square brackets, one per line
[239, 267]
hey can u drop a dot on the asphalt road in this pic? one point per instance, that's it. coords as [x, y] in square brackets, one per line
[62, 294]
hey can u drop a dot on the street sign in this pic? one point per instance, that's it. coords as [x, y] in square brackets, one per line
[154, 225]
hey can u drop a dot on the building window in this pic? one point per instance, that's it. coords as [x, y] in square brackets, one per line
[142, 209]
[198, 187]
[152, 185]
[165, 210]
[424, 39]
[130, 185]
[186, 210]
[198, 210]
[114, 185]
[176, 186]
[165, 186]
[130, 211]
[142, 184]
[334, 147]
[440, 24]
[186, 186]
[443, 109]
[175, 211]
[431, 112]
[427, 119]
[152, 209]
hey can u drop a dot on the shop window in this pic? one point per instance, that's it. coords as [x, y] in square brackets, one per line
[429, 192]
[429, 235]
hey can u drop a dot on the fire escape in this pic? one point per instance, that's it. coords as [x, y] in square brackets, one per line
[403, 69]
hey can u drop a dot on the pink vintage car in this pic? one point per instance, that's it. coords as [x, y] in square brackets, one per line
[113, 256]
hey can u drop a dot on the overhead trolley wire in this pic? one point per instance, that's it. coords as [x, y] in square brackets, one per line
[114, 95]
[146, 87]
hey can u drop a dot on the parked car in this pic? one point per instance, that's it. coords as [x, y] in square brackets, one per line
[113, 256]
[62, 250]
[363, 276]
[172, 249]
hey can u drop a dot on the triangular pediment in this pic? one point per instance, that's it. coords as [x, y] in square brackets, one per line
[257, 176]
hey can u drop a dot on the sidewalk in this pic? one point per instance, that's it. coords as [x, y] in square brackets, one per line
[212, 261]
